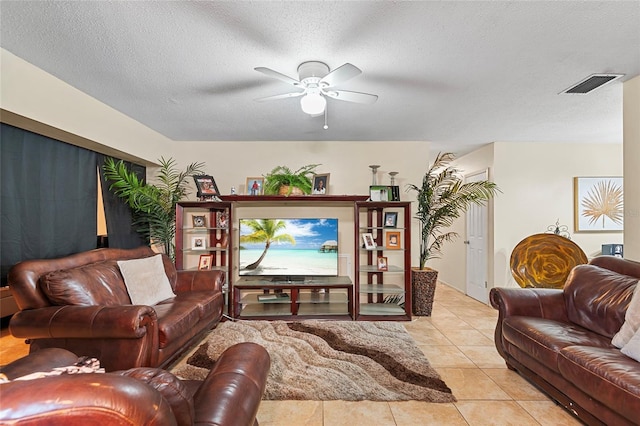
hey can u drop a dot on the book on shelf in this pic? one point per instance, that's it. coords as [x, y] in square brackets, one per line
[274, 296]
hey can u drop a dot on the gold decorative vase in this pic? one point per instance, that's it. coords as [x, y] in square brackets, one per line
[545, 260]
[423, 289]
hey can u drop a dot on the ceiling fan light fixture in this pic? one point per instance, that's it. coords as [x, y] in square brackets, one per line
[313, 103]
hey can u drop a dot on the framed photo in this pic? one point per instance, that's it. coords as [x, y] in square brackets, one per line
[598, 204]
[320, 184]
[392, 240]
[382, 263]
[198, 243]
[206, 186]
[390, 219]
[255, 185]
[206, 260]
[379, 193]
[222, 219]
[199, 221]
[368, 241]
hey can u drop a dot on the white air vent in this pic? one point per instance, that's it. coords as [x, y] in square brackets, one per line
[591, 83]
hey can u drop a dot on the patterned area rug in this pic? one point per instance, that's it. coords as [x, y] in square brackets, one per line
[329, 360]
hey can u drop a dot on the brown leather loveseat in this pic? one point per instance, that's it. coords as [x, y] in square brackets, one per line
[560, 339]
[229, 395]
[81, 303]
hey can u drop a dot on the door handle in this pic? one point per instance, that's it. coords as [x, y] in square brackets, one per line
[466, 242]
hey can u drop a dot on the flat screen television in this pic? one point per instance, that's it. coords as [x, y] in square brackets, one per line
[288, 249]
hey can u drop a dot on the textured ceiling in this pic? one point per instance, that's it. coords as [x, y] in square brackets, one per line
[459, 74]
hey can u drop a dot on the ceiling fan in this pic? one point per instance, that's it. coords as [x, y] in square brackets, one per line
[316, 83]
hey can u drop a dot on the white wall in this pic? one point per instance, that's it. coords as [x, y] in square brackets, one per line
[48, 102]
[536, 181]
[230, 163]
[631, 105]
[452, 265]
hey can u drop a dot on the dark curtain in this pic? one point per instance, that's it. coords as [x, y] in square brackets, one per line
[48, 197]
[118, 214]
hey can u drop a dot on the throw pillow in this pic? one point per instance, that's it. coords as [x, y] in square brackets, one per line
[146, 280]
[631, 321]
[632, 348]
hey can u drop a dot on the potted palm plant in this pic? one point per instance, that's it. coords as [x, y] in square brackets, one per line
[441, 198]
[153, 205]
[283, 181]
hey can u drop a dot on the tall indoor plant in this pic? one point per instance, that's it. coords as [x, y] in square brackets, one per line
[441, 199]
[281, 180]
[153, 204]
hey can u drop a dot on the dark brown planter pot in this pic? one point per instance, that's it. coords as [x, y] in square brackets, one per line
[423, 289]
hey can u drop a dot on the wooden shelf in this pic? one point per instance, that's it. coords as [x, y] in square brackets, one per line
[371, 284]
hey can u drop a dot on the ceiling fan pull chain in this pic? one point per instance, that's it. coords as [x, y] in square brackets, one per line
[326, 126]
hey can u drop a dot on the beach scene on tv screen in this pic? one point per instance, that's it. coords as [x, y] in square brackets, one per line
[288, 247]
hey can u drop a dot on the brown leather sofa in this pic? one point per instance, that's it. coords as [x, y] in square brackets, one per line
[90, 312]
[560, 339]
[229, 395]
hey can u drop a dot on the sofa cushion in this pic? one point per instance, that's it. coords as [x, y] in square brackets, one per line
[606, 375]
[597, 299]
[177, 321]
[631, 321]
[89, 285]
[543, 339]
[209, 303]
[146, 280]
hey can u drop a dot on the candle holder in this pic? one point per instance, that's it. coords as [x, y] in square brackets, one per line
[374, 171]
[393, 177]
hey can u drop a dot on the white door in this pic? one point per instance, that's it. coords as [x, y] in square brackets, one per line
[476, 241]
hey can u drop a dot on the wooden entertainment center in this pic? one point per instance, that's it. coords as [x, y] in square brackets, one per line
[367, 291]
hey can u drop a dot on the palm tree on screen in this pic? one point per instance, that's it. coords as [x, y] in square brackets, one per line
[264, 231]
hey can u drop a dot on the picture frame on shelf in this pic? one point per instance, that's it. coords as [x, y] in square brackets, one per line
[206, 187]
[320, 184]
[392, 240]
[205, 263]
[198, 243]
[598, 204]
[390, 219]
[383, 264]
[255, 185]
[368, 242]
[199, 221]
[222, 219]
[379, 193]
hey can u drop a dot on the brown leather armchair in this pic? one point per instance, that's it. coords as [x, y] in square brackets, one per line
[229, 395]
[80, 303]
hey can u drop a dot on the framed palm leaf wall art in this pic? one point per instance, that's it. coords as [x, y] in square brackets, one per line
[598, 204]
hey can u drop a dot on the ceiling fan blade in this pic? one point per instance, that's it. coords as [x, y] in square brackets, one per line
[283, 96]
[275, 74]
[340, 75]
[344, 95]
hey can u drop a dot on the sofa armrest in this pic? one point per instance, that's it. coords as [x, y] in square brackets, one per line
[129, 322]
[236, 382]
[83, 399]
[44, 360]
[530, 302]
[199, 280]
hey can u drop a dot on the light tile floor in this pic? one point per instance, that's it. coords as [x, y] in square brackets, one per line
[458, 342]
